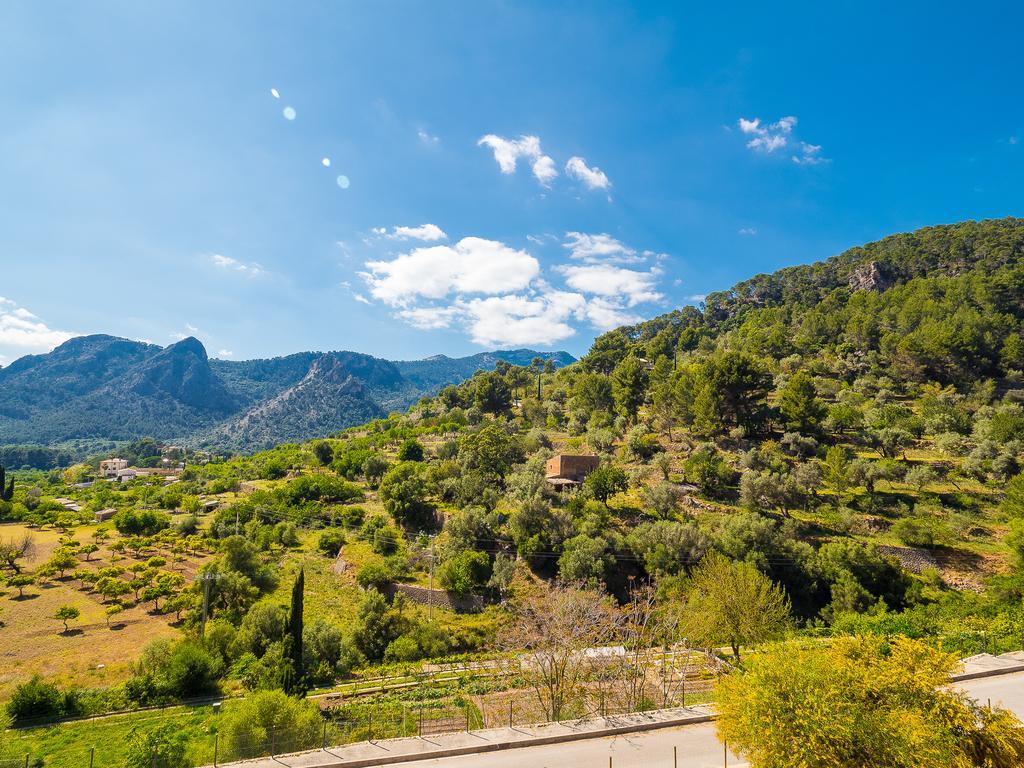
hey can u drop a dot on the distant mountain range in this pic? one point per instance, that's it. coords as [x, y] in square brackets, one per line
[108, 388]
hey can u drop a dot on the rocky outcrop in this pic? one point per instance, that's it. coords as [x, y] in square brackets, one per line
[869, 277]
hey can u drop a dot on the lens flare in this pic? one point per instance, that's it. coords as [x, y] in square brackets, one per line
[289, 113]
[343, 182]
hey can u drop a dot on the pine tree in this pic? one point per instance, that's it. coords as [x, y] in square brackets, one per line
[799, 404]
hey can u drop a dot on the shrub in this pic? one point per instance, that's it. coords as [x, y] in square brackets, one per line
[164, 746]
[248, 725]
[331, 541]
[374, 574]
[39, 700]
[145, 522]
[915, 532]
[192, 670]
[411, 450]
[466, 572]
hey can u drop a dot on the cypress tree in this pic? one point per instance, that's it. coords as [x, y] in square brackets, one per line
[6, 490]
[294, 647]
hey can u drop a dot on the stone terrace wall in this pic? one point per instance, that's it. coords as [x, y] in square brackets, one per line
[436, 597]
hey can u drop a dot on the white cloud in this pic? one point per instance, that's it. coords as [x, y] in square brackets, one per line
[519, 320]
[767, 138]
[427, 139]
[747, 231]
[427, 232]
[508, 151]
[25, 332]
[767, 143]
[599, 249]
[544, 170]
[605, 314]
[225, 353]
[360, 298]
[810, 155]
[430, 318]
[230, 264]
[778, 135]
[592, 178]
[606, 280]
[472, 265]
[697, 297]
[499, 296]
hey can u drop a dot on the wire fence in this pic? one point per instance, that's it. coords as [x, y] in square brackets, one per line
[478, 699]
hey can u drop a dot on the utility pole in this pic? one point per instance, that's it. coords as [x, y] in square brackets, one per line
[236, 520]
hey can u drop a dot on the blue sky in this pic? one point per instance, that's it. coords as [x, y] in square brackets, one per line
[518, 174]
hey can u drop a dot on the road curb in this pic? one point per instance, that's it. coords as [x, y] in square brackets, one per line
[987, 673]
[496, 746]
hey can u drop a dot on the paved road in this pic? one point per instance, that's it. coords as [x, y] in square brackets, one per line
[1004, 691]
[696, 745]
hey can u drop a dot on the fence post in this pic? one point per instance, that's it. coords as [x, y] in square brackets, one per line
[369, 725]
[467, 717]
[216, 744]
[510, 713]
[92, 753]
[675, 757]
[273, 741]
[725, 754]
[323, 741]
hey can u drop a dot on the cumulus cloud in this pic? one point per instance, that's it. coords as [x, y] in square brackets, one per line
[21, 330]
[517, 320]
[234, 265]
[606, 314]
[599, 248]
[225, 353]
[633, 286]
[592, 178]
[747, 231]
[472, 265]
[507, 153]
[498, 295]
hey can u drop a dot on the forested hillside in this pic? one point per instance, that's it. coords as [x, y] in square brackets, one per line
[832, 450]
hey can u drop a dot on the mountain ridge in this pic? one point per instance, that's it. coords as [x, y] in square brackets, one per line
[104, 387]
